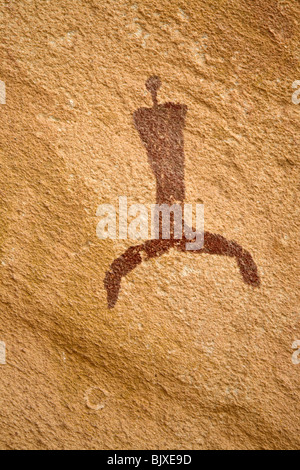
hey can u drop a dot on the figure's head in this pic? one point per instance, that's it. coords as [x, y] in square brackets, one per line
[153, 84]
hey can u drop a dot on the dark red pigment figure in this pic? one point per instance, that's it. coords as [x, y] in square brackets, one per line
[161, 131]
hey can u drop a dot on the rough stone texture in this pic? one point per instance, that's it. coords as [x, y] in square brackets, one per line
[190, 357]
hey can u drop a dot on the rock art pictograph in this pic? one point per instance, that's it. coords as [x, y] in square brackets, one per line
[161, 131]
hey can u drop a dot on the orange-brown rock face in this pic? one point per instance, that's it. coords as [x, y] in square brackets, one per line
[190, 355]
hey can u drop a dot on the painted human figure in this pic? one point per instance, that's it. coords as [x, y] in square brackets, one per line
[161, 131]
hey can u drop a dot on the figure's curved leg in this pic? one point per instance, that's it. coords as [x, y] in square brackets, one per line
[215, 244]
[119, 268]
[128, 261]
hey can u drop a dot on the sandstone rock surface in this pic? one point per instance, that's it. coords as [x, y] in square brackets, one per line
[190, 357]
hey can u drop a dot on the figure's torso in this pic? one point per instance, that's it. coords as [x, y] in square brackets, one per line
[161, 131]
